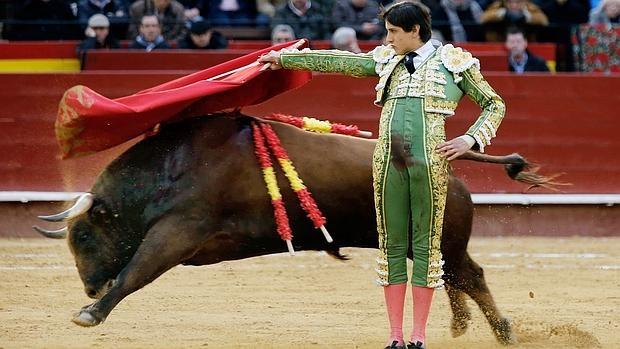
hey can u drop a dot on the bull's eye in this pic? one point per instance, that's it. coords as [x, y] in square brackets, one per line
[99, 214]
[83, 237]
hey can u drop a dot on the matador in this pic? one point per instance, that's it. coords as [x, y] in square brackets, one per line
[420, 84]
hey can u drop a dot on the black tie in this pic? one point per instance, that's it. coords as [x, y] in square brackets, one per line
[409, 62]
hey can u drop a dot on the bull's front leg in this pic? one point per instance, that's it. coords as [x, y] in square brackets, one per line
[159, 252]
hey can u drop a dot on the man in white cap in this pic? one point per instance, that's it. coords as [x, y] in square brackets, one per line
[98, 34]
[345, 39]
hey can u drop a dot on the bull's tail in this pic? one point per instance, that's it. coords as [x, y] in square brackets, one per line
[519, 169]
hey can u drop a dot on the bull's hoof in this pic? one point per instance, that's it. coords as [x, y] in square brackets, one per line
[503, 332]
[459, 326]
[86, 319]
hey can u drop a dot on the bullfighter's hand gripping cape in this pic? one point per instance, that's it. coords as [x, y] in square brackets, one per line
[88, 122]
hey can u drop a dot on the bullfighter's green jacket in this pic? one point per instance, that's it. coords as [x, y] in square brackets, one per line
[415, 106]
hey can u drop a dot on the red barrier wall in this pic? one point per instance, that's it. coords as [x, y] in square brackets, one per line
[197, 60]
[565, 122]
[38, 49]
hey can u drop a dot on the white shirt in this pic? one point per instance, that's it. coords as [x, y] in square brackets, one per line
[423, 53]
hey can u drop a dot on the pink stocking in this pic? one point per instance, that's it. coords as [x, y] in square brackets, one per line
[422, 299]
[395, 301]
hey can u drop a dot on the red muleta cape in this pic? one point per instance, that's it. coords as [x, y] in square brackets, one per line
[88, 122]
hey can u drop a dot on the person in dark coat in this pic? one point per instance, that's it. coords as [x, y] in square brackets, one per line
[519, 58]
[44, 20]
[305, 17]
[109, 8]
[98, 35]
[458, 20]
[202, 36]
[232, 12]
[171, 14]
[360, 15]
[150, 37]
[114, 10]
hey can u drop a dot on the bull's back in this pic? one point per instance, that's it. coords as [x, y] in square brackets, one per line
[206, 167]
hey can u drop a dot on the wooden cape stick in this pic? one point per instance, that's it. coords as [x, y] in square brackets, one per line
[254, 64]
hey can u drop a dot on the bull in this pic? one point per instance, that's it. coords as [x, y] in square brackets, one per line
[193, 194]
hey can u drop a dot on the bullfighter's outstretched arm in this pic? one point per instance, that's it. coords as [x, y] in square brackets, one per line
[330, 61]
[492, 105]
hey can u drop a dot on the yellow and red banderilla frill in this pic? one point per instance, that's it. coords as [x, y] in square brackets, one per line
[319, 126]
[267, 143]
[279, 211]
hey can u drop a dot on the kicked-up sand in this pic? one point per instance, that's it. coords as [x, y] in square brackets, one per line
[559, 293]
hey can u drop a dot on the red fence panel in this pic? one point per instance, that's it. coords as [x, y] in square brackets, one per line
[566, 123]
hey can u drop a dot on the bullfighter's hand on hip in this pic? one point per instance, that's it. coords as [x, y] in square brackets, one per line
[452, 149]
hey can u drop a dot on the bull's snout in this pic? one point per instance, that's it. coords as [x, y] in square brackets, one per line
[91, 292]
[94, 293]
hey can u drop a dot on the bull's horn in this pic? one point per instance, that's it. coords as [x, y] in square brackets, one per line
[83, 204]
[53, 234]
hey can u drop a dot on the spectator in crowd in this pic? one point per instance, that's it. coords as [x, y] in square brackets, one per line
[202, 36]
[110, 8]
[304, 17]
[503, 14]
[125, 4]
[345, 39]
[115, 10]
[150, 37]
[607, 12]
[327, 6]
[268, 7]
[45, 21]
[563, 15]
[459, 20]
[484, 4]
[195, 10]
[565, 12]
[171, 15]
[519, 58]
[282, 33]
[233, 13]
[361, 15]
[98, 35]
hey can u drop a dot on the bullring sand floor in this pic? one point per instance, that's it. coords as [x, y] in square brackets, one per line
[560, 293]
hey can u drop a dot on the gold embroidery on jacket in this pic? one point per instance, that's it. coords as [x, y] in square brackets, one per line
[439, 174]
[380, 163]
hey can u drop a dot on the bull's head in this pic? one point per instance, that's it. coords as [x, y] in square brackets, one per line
[93, 242]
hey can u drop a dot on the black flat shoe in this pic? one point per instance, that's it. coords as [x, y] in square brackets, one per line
[395, 345]
[417, 345]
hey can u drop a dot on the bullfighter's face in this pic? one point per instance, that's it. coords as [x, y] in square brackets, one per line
[401, 40]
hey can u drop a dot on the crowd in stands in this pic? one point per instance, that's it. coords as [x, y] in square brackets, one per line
[161, 24]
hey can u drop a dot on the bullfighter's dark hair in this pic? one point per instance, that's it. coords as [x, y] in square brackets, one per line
[407, 14]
